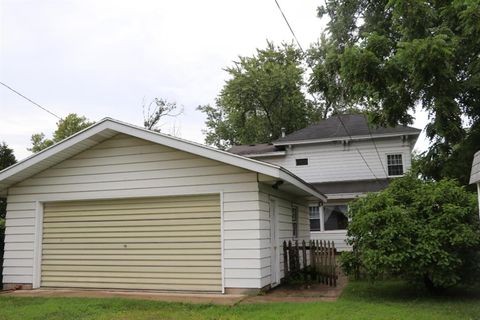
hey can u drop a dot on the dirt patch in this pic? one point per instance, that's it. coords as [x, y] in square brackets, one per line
[301, 293]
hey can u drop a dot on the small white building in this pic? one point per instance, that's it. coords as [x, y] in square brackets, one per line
[475, 174]
[342, 157]
[116, 206]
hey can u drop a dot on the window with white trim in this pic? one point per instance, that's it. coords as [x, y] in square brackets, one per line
[295, 221]
[395, 164]
[328, 217]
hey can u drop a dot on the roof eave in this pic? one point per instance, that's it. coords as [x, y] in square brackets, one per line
[362, 137]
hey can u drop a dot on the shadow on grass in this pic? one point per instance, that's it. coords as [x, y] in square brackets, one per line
[401, 291]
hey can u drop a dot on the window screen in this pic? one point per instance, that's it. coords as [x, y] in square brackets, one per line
[395, 164]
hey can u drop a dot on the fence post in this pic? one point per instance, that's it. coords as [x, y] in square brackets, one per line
[304, 260]
[334, 265]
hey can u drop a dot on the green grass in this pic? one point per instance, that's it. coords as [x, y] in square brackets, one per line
[360, 300]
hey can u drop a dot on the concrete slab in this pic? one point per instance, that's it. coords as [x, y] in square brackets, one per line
[197, 298]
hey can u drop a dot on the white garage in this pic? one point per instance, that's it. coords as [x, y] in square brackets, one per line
[120, 207]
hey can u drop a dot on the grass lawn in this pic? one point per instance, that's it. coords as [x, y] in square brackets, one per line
[360, 300]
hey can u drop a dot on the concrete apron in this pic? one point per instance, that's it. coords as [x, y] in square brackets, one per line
[197, 298]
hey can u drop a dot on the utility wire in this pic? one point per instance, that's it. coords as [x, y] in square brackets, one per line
[30, 100]
[334, 107]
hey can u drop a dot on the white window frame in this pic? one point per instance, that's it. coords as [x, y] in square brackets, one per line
[295, 222]
[321, 211]
[403, 163]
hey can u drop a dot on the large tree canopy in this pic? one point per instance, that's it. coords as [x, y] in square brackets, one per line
[263, 95]
[393, 56]
[66, 127]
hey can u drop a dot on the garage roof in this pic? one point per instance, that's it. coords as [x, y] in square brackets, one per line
[109, 127]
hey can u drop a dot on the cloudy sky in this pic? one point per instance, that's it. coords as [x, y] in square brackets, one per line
[104, 58]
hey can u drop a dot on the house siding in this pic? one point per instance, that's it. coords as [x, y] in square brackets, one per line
[127, 167]
[331, 161]
[284, 203]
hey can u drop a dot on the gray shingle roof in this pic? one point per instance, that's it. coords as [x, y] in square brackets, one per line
[356, 124]
[251, 149]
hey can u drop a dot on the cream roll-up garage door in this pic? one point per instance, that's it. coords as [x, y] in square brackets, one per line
[168, 243]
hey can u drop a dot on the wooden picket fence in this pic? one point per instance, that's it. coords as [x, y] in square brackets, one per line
[321, 267]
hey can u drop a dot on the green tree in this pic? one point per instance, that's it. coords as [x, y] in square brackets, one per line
[393, 56]
[263, 95]
[66, 127]
[7, 158]
[419, 230]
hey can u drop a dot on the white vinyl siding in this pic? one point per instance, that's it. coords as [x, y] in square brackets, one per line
[284, 204]
[127, 167]
[332, 161]
[168, 243]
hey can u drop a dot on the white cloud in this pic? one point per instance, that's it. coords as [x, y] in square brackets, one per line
[101, 58]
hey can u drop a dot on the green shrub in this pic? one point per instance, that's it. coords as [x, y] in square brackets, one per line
[422, 231]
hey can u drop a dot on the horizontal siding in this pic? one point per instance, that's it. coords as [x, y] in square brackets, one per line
[70, 223]
[333, 162]
[126, 167]
[338, 237]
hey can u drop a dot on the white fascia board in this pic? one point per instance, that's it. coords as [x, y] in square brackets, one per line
[52, 150]
[169, 141]
[297, 182]
[364, 137]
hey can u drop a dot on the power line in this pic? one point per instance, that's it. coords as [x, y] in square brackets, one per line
[30, 100]
[333, 106]
[289, 27]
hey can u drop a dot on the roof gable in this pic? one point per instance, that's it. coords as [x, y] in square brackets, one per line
[108, 127]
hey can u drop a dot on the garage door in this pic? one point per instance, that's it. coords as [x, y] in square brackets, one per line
[168, 243]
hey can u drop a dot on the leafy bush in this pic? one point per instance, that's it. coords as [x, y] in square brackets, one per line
[422, 231]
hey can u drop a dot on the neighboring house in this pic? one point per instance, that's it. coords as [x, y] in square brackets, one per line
[475, 174]
[341, 164]
[119, 207]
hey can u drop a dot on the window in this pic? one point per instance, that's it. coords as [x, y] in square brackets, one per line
[335, 217]
[301, 162]
[314, 218]
[295, 221]
[326, 218]
[395, 164]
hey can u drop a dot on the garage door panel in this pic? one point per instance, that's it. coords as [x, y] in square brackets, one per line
[173, 246]
[133, 286]
[169, 243]
[169, 215]
[134, 251]
[133, 228]
[144, 234]
[167, 222]
[169, 275]
[125, 240]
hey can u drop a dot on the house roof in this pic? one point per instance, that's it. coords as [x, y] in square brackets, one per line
[108, 127]
[253, 150]
[475, 173]
[332, 129]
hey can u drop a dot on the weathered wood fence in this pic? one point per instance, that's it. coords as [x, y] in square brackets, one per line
[321, 265]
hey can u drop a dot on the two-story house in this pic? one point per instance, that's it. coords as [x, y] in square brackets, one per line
[343, 158]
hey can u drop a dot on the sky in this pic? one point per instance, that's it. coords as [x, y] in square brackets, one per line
[107, 58]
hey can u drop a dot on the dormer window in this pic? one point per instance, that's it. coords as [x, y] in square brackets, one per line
[301, 162]
[395, 165]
